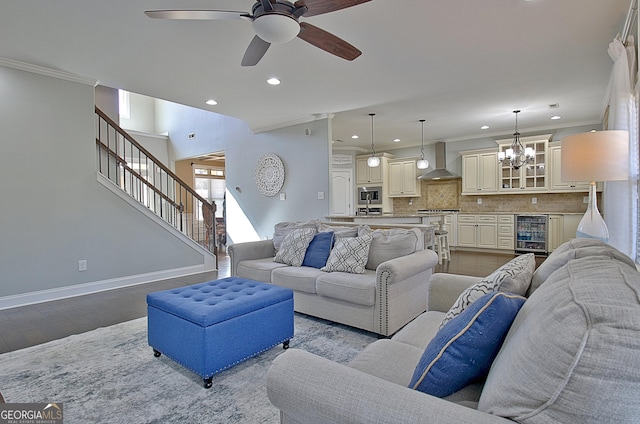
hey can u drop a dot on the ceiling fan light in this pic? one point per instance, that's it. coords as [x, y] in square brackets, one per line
[422, 164]
[275, 28]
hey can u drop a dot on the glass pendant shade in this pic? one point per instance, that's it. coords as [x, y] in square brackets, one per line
[594, 156]
[422, 164]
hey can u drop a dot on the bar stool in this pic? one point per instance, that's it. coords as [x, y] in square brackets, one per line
[442, 245]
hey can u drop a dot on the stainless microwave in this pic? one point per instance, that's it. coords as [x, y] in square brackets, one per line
[369, 195]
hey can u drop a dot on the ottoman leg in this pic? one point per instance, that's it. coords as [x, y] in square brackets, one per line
[156, 353]
[208, 382]
[285, 345]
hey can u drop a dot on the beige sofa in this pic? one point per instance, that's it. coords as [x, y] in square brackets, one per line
[572, 355]
[389, 293]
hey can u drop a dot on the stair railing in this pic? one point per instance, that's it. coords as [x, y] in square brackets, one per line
[125, 162]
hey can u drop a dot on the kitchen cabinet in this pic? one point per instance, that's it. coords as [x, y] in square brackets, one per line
[505, 232]
[531, 177]
[403, 179]
[370, 176]
[556, 232]
[555, 158]
[479, 172]
[479, 231]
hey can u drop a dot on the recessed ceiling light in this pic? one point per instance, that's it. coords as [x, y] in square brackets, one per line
[355, 136]
[396, 140]
[484, 127]
[273, 81]
[211, 102]
[554, 117]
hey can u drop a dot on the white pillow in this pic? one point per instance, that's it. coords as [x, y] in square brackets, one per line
[294, 246]
[349, 254]
[512, 277]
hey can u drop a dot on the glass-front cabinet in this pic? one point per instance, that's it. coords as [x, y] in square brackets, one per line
[533, 176]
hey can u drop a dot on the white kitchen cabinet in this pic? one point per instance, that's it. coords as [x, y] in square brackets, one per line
[531, 177]
[479, 172]
[505, 232]
[403, 179]
[555, 157]
[366, 175]
[556, 232]
[479, 231]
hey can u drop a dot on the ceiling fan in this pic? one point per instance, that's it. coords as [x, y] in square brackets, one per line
[276, 21]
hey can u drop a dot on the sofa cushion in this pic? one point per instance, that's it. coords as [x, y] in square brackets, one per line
[512, 277]
[389, 360]
[391, 244]
[572, 354]
[421, 330]
[349, 254]
[281, 229]
[575, 249]
[258, 269]
[339, 231]
[353, 288]
[463, 350]
[298, 278]
[294, 246]
[318, 250]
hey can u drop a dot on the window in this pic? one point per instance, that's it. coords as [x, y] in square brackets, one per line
[210, 184]
[124, 104]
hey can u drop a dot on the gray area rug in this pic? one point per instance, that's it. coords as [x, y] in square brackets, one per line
[110, 375]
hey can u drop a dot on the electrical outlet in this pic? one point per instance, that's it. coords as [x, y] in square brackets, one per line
[283, 196]
[82, 265]
[479, 200]
[585, 199]
[321, 195]
[534, 200]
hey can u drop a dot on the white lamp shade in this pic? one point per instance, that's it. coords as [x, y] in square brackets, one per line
[595, 156]
[373, 161]
[275, 28]
[422, 164]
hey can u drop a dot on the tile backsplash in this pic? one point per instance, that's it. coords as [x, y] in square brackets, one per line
[445, 194]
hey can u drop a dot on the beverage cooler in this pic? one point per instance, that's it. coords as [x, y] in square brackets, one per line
[531, 234]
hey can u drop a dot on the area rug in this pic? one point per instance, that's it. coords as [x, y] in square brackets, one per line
[110, 375]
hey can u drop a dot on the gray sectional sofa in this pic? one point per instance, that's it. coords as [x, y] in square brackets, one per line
[572, 355]
[382, 299]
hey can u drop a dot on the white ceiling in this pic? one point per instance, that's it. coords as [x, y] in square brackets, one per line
[459, 64]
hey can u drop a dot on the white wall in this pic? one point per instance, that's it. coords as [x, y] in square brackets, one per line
[305, 158]
[54, 212]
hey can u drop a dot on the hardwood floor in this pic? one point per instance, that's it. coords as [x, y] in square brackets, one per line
[34, 324]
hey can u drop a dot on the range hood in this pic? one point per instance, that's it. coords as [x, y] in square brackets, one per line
[440, 173]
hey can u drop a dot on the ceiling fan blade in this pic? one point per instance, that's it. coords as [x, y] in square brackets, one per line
[197, 14]
[256, 50]
[327, 41]
[318, 7]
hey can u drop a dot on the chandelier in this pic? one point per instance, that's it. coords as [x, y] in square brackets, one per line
[516, 155]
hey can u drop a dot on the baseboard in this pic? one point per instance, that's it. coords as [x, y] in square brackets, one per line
[40, 296]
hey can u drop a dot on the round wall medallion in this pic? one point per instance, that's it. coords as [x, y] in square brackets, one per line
[269, 174]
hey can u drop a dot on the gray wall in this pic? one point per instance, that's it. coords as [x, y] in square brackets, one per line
[54, 212]
[305, 158]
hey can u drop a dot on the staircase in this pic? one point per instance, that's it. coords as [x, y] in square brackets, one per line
[127, 164]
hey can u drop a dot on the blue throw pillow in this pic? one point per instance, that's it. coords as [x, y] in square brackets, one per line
[464, 349]
[319, 250]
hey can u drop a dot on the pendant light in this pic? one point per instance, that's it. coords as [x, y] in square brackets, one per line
[422, 163]
[373, 161]
[516, 155]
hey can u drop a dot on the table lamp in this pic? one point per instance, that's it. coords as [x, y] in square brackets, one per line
[595, 156]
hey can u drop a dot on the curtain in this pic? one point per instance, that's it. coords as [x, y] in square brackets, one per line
[621, 197]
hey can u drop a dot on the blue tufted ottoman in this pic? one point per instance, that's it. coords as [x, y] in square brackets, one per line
[212, 326]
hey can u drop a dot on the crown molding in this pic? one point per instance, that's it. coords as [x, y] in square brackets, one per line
[303, 120]
[41, 70]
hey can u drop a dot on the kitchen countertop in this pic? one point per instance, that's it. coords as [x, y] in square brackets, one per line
[426, 214]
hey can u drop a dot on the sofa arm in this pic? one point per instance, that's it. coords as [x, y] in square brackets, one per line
[310, 389]
[404, 267]
[444, 290]
[239, 252]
